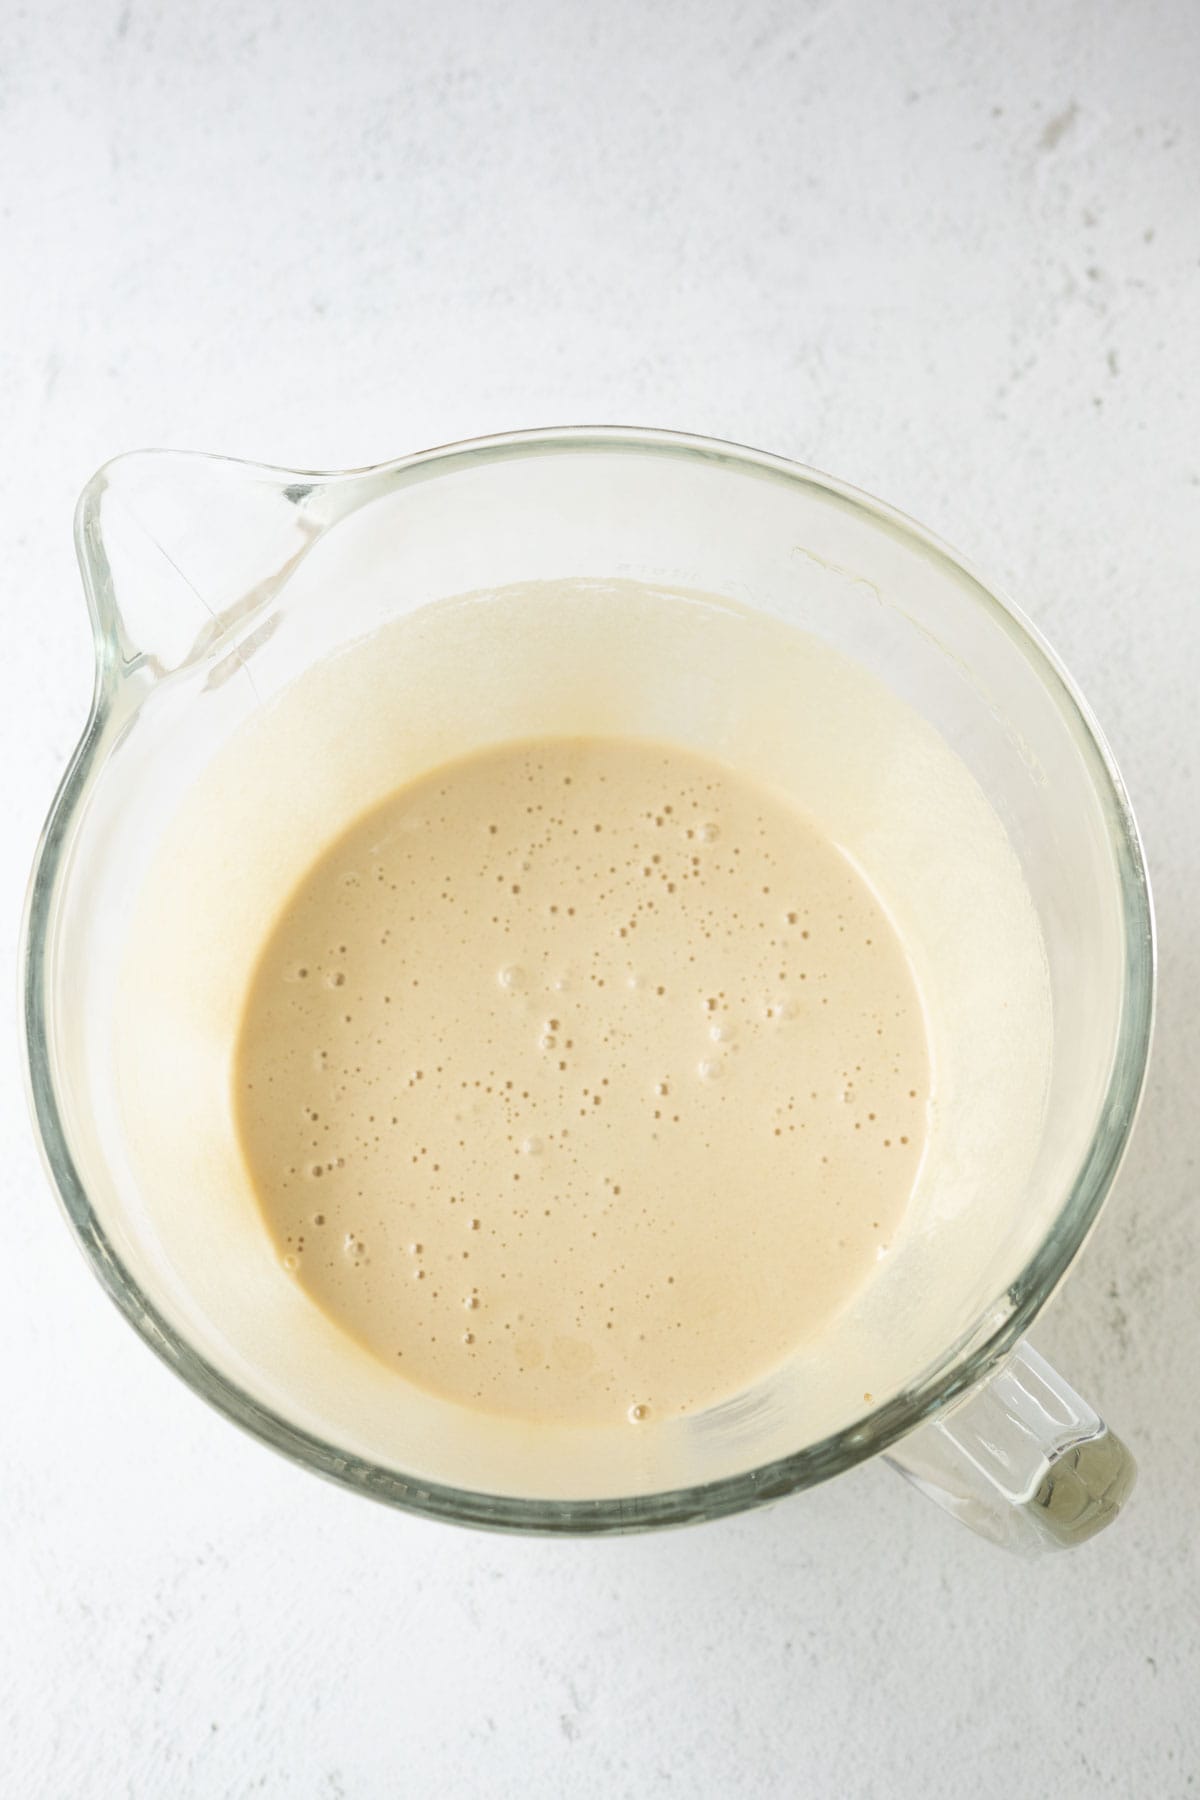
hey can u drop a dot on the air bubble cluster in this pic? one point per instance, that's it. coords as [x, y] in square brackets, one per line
[602, 1044]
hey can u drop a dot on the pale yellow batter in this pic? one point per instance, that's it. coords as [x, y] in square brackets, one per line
[582, 1079]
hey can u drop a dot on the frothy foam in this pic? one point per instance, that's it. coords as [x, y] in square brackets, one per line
[601, 1045]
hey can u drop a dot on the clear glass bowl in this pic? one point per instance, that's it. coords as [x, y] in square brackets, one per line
[193, 564]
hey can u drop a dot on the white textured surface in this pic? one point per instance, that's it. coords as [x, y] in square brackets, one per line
[956, 262]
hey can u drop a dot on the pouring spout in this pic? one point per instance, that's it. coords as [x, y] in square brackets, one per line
[179, 550]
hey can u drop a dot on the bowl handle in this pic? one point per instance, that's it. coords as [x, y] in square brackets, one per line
[1021, 1459]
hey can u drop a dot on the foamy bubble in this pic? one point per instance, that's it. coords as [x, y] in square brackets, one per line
[638, 1413]
[709, 1069]
[532, 1146]
[511, 977]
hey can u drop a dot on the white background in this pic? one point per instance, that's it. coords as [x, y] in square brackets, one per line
[948, 251]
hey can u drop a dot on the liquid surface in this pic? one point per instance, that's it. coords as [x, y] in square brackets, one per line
[582, 1080]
